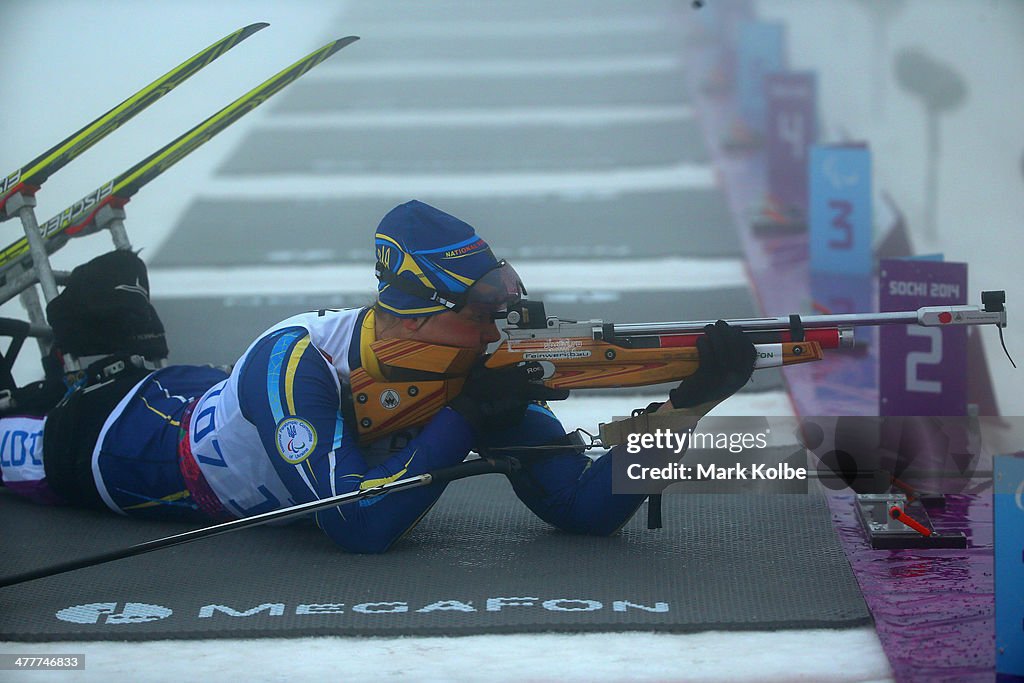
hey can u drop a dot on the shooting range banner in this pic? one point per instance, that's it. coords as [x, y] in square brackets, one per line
[922, 370]
[839, 178]
[1009, 563]
[791, 128]
[760, 51]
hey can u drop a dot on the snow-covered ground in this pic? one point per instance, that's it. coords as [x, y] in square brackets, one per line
[65, 61]
[849, 656]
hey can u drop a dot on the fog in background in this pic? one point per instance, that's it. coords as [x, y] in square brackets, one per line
[935, 86]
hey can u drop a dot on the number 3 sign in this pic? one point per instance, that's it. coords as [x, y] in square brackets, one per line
[839, 178]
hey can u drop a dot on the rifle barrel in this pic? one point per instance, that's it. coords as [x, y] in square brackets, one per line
[928, 316]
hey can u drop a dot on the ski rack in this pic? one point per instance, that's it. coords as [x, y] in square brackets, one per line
[23, 205]
[41, 272]
[892, 521]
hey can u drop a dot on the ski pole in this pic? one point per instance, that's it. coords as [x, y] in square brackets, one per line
[443, 475]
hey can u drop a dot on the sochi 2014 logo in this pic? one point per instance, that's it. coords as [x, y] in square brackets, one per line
[296, 439]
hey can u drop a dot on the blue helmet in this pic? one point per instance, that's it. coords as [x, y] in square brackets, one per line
[428, 262]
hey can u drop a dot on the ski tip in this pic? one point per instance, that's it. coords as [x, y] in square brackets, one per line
[336, 45]
[252, 28]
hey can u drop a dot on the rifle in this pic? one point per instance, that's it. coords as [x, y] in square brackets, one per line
[422, 378]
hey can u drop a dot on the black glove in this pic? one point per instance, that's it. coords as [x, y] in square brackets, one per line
[496, 399]
[726, 363]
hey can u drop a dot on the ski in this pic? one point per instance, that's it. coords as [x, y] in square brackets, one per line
[79, 218]
[29, 178]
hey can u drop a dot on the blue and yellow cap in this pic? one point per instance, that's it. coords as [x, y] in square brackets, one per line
[428, 260]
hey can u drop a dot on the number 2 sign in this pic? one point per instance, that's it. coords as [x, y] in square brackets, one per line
[922, 370]
[839, 180]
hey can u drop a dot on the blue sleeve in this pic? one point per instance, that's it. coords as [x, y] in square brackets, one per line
[288, 391]
[564, 488]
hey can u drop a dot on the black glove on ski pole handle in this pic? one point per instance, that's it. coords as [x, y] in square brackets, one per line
[443, 475]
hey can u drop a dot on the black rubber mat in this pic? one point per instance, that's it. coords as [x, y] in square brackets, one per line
[321, 149]
[691, 223]
[480, 562]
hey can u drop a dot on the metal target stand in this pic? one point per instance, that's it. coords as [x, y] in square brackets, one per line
[893, 521]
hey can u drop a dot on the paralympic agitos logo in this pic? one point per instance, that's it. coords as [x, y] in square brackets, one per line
[296, 439]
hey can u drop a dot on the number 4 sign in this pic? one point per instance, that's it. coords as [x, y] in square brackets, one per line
[791, 130]
[922, 370]
[839, 178]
